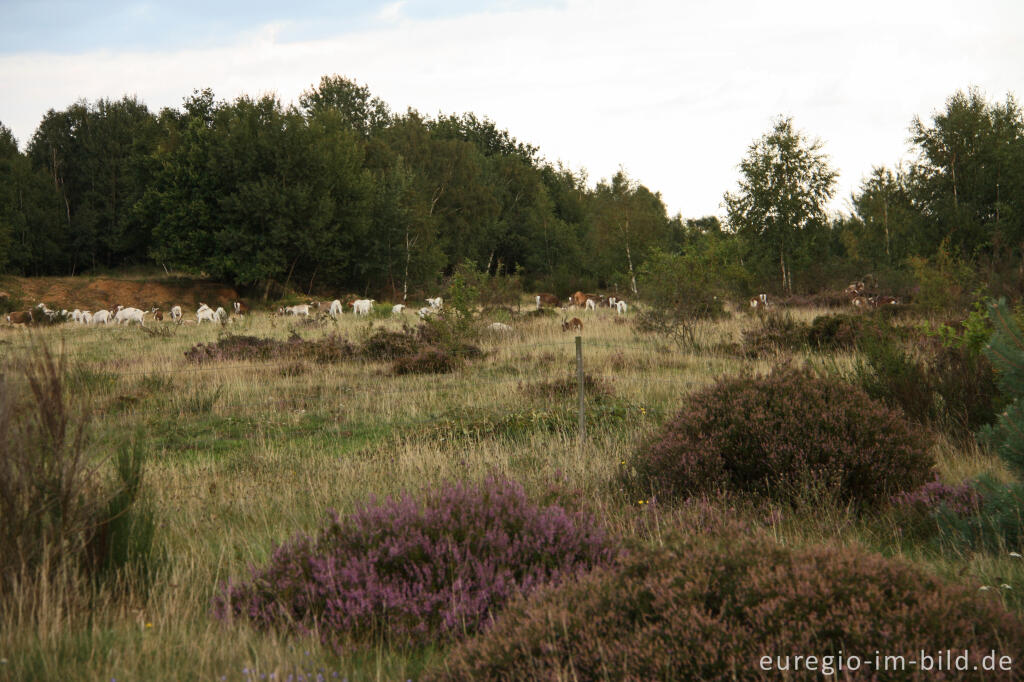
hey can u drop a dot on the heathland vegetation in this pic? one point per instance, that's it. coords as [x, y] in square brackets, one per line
[390, 497]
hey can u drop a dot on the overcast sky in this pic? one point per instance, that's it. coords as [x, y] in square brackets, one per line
[674, 92]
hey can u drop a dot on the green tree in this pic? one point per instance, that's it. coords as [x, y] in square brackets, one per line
[354, 103]
[968, 180]
[31, 215]
[784, 189]
[627, 221]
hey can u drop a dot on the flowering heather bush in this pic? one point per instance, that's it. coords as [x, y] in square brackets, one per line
[782, 434]
[960, 499]
[416, 571]
[711, 608]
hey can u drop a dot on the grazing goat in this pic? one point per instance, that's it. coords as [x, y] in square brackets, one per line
[241, 308]
[426, 312]
[591, 305]
[129, 315]
[363, 306]
[101, 316]
[549, 300]
[435, 303]
[206, 313]
[759, 301]
[336, 309]
[301, 309]
[398, 309]
[575, 323]
[21, 317]
[621, 308]
[579, 299]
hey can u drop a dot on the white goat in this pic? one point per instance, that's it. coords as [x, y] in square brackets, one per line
[337, 310]
[86, 317]
[220, 314]
[176, 313]
[301, 309]
[129, 315]
[205, 313]
[621, 307]
[363, 306]
[397, 308]
[435, 303]
[500, 328]
[426, 312]
[591, 305]
[101, 316]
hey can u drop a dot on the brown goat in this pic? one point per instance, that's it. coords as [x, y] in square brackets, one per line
[549, 300]
[20, 317]
[575, 323]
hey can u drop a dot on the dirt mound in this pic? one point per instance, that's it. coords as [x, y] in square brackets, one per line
[92, 293]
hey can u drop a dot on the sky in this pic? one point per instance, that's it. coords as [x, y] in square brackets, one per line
[672, 92]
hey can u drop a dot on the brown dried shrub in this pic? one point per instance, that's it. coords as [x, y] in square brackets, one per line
[711, 608]
[427, 361]
[781, 435]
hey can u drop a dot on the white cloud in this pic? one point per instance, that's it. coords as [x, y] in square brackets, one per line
[673, 92]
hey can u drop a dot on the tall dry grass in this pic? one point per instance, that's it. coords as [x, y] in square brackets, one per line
[242, 454]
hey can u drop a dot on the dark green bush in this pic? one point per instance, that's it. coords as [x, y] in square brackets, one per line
[711, 608]
[775, 333]
[384, 344]
[427, 361]
[889, 373]
[782, 436]
[996, 524]
[835, 332]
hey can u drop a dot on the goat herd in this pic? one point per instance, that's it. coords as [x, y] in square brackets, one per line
[334, 309]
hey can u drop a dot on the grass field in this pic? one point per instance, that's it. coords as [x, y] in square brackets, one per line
[242, 455]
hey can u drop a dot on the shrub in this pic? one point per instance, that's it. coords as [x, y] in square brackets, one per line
[412, 571]
[427, 361]
[57, 510]
[776, 332]
[331, 348]
[967, 385]
[779, 435]
[594, 388]
[835, 332]
[384, 344]
[995, 524]
[896, 377]
[681, 292]
[710, 609]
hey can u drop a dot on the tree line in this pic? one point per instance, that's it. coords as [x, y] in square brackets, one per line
[339, 192]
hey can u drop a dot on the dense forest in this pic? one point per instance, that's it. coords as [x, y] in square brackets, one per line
[339, 192]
